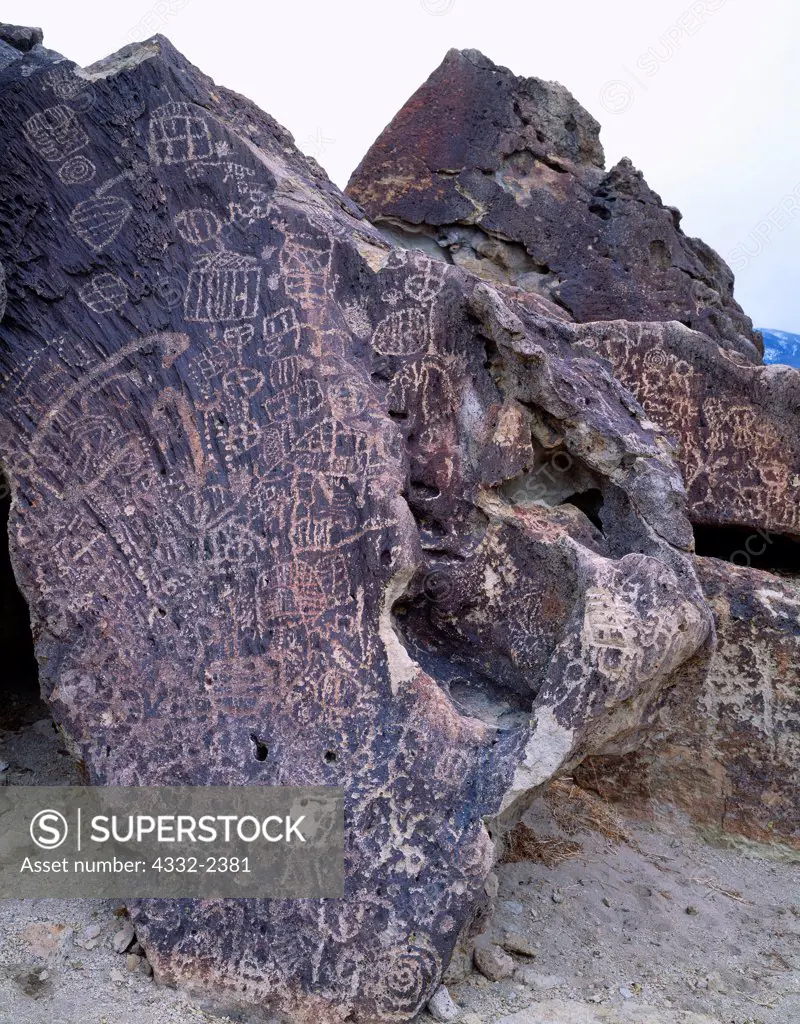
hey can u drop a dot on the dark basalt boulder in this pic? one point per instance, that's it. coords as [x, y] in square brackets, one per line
[279, 485]
[18, 43]
[506, 177]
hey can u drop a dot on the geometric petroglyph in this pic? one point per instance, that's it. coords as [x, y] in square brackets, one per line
[402, 333]
[281, 333]
[104, 293]
[223, 286]
[424, 285]
[98, 221]
[76, 171]
[252, 205]
[610, 631]
[238, 337]
[179, 135]
[198, 226]
[411, 972]
[235, 173]
[357, 319]
[220, 522]
[65, 82]
[55, 133]
[305, 262]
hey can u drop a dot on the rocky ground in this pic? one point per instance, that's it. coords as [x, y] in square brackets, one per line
[611, 922]
[639, 923]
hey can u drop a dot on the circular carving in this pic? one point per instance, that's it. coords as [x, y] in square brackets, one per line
[76, 171]
[408, 976]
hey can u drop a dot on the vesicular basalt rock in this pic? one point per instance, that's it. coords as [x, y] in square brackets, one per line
[504, 177]
[292, 506]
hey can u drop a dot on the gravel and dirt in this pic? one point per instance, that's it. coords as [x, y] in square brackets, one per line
[598, 919]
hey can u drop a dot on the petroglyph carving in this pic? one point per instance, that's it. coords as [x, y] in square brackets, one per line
[584, 224]
[733, 450]
[289, 521]
[425, 284]
[179, 135]
[105, 293]
[55, 133]
[77, 171]
[410, 974]
[198, 226]
[402, 333]
[357, 319]
[65, 82]
[252, 203]
[223, 286]
[281, 332]
[305, 262]
[98, 221]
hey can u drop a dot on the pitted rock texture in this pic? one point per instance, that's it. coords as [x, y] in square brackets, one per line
[505, 177]
[279, 486]
[723, 746]
[736, 426]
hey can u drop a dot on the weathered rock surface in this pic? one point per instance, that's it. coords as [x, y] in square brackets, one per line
[723, 746]
[504, 177]
[737, 426]
[18, 43]
[291, 506]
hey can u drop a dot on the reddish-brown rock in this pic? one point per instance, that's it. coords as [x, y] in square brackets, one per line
[736, 426]
[504, 177]
[278, 486]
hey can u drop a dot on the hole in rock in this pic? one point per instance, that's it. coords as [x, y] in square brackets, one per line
[557, 478]
[590, 503]
[750, 548]
[20, 700]
[330, 756]
[600, 210]
[660, 255]
[260, 748]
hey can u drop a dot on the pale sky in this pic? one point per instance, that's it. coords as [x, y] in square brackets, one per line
[700, 94]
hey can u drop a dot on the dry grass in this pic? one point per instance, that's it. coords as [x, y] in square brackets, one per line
[574, 810]
[522, 844]
[577, 810]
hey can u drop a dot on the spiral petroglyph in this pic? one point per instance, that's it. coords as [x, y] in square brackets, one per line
[408, 976]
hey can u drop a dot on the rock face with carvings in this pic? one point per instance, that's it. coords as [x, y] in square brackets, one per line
[291, 505]
[723, 746]
[736, 425]
[504, 176]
